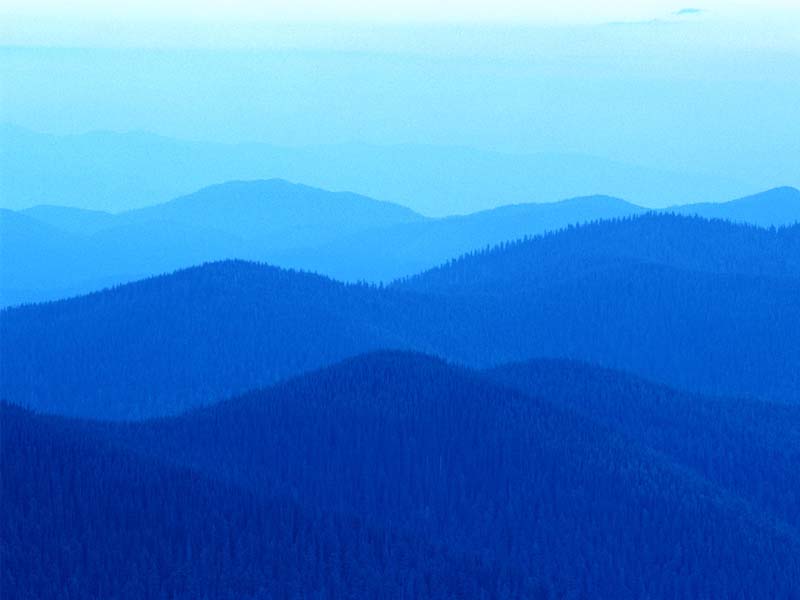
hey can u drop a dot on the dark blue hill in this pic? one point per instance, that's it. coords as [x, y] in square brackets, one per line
[83, 519]
[168, 343]
[749, 448]
[686, 243]
[454, 460]
[704, 306]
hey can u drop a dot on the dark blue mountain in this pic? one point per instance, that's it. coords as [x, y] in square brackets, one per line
[83, 519]
[748, 448]
[641, 295]
[482, 470]
[704, 306]
[701, 305]
[168, 343]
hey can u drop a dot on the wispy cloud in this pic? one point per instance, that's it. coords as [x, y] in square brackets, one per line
[669, 19]
[685, 12]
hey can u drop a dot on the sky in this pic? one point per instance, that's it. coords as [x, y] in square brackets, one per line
[514, 11]
[711, 87]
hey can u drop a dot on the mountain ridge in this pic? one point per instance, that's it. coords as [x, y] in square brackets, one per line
[783, 208]
[437, 449]
[345, 236]
[99, 168]
[643, 295]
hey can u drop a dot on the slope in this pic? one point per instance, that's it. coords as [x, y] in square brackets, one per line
[345, 236]
[701, 305]
[747, 447]
[451, 459]
[255, 220]
[168, 343]
[403, 250]
[82, 519]
[775, 207]
[723, 318]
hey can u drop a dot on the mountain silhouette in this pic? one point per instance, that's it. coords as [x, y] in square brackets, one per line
[41, 262]
[744, 446]
[692, 244]
[663, 296]
[446, 459]
[275, 213]
[70, 219]
[700, 305]
[103, 171]
[248, 220]
[344, 236]
[83, 518]
[403, 250]
[779, 206]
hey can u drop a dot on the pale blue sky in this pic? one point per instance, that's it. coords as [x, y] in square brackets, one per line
[710, 91]
[516, 11]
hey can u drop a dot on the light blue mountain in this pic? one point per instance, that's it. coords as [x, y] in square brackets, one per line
[775, 207]
[113, 171]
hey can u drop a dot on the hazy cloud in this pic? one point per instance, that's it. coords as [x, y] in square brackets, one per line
[688, 12]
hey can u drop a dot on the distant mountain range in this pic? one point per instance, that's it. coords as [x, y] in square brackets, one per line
[581, 399]
[780, 206]
[396, 473]
[700, 305]
[52, 252]
[113, 171]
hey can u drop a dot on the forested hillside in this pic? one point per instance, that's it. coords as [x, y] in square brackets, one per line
[485, 471]
[703, 306]
[399, 301]
[164, 344]
[83, 520]
[749, 448]
[686, 243]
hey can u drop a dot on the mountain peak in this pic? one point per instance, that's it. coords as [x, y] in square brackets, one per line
[781, 193]
[775, 207]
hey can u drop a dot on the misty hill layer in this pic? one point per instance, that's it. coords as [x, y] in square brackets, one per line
[704, 306]
[345, 236]
[456, 461]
